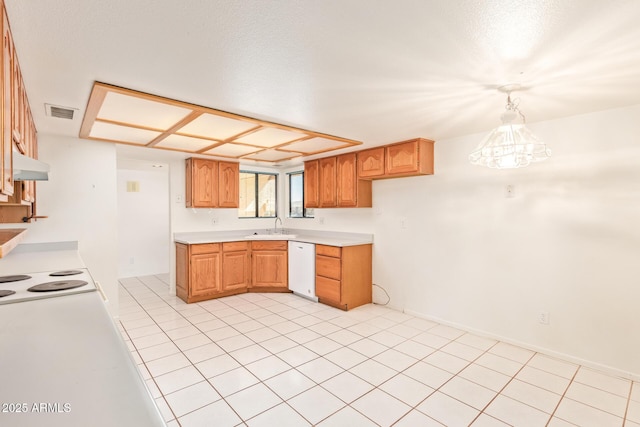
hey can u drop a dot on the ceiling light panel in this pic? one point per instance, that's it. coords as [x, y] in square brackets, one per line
[126, 134]
[270, 137]
[217, 127]
[184, 143]
[117, 114]
[315, 145]
[271, 156]
[142, 112]
[232, 150]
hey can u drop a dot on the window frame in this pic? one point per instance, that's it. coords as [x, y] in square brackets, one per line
[305, 211]
[256, 194]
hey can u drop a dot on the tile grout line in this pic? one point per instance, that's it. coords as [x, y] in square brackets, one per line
[626, 409]
[194, 366]
[242, 365]
[503, 387]
[405, 339]
[343, 346]
[143, 361]
[564, 393]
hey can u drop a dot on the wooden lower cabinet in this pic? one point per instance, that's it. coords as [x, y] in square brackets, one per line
[344, 275]
[236, 271]
[213, 270]
[198, 271]
[270, 266]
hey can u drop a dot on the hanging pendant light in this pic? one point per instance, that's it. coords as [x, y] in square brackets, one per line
[511, 145]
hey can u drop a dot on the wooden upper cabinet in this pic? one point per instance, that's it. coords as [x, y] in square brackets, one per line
[371, 163]
[202, 183]
[333, 182]
[327, 182]
[352, 192]
[17, 133]
[6, 151]
[17, 100]
[229, 192]
[413, 157]
[212, 184]
[311, 184]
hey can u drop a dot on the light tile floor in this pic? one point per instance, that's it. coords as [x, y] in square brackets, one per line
[281, 360]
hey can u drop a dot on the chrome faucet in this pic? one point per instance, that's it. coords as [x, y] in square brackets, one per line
[275, 226]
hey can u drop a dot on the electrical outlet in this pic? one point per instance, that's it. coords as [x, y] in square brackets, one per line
[132, 261]
[321, 220]
[179, 198]
[403, 223]
[543, 317]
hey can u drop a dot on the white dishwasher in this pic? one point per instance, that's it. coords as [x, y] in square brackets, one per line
[302, 269]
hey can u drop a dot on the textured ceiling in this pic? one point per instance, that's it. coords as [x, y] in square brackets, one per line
[369, 70]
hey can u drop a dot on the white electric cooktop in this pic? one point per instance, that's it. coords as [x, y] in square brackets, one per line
[48, 284]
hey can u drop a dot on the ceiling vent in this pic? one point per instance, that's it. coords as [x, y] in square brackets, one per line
[59, 112]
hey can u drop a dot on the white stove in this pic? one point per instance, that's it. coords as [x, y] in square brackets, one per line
[47, 284]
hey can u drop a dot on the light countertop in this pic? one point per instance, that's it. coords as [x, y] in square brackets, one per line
[66, 351]
[64, 362]
[330, 238]
[36, 257]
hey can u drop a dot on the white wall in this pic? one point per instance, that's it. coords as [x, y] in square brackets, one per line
[183, 219]
[80, 200]
[143, 222]
[567, 243]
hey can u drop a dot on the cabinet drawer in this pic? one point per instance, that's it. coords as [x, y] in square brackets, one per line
[205, 248]
[328, 289]
[269, 245]
[328, 267]
[235, 246]
[332, 251]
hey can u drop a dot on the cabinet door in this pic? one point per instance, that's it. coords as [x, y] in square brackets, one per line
[229, 177]
[235, 270]
[402, 158]
[6, 187]
[347, 180]
[202, 183]
[16, 104]
[327, 181]
[205, 274]
[311, 187]
[269, 269]
[371, 163]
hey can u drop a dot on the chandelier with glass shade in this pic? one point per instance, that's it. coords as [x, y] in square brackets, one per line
[512, 144]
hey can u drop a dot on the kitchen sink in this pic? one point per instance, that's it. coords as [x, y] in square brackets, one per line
[270, 236]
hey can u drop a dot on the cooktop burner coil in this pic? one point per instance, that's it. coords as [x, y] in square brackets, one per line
[14, 278]
[65, 273]
[57, 286]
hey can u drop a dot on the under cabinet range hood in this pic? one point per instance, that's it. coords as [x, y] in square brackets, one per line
[28, 169]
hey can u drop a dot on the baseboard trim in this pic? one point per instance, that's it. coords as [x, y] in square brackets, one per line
[558, 355]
